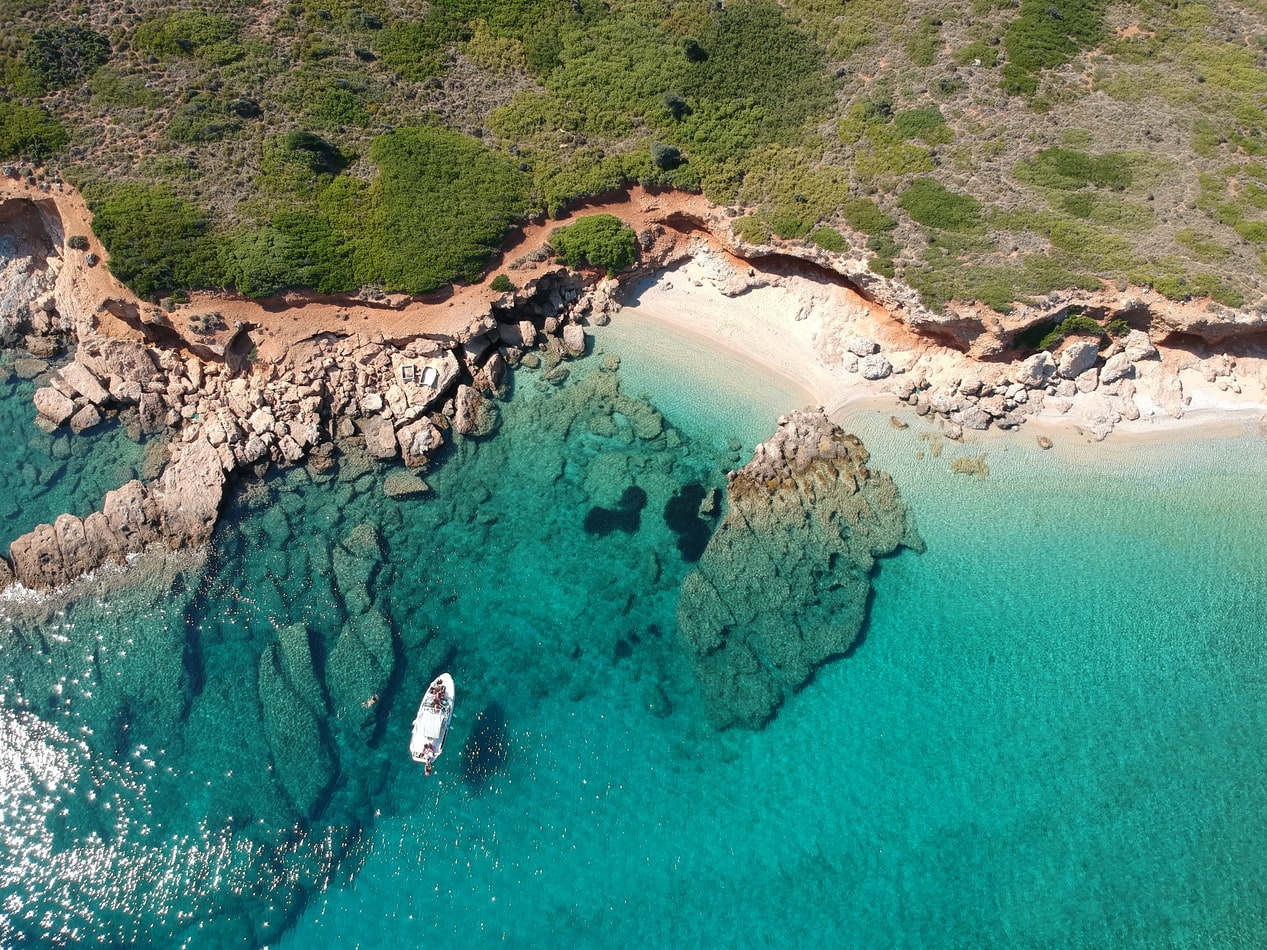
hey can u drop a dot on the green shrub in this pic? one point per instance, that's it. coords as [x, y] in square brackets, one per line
[64, 56]
[788, 224]
[418, 50]
[665, 156]
[502, 284]
[923, 41]
[862, 214]
[77, 242]
[1047, 34]
[1075, 325]
[212, 38]
[441, 205]
[752, 229]
[601, 240]
[157, 241]
[28, 132]
[930, 203]
[980, 51]
[829, 239]
[1068, 170]
[927, 123]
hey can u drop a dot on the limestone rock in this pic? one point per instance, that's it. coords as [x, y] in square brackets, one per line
[400, 484]
[122, 358]
[189, 494]
[85, 418]
[875, 366]
[1034, 372]
[1117, 367]
[28, 368]
[417, 440]
[574, 339]
[473, 414]
[301, 755]
[37, 559]
[54, 406]
[783, 583]
[85, 383]
[380, 437]
[1139, 347]
[974, 417]
[861, 346]
[1078, 357]
[359, 670]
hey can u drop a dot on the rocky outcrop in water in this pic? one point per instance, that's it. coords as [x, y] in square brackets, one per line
[227, 415]
[782, 585]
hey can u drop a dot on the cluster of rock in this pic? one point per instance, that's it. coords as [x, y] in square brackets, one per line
[400, 399]
[1006, 395]
[782, 585]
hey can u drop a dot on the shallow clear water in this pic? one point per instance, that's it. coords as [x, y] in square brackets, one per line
[1053, 733]
[51, 474]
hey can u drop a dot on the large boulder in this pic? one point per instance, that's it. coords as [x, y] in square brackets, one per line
[1034, 372]
[380, 437]
[82, 380]
[189, 493]
[782, 585]
[473, 413]
[53, 405]
[1115, 368]
[417, 441]
[875, 366]
[120, 358]
[1139, 347]
[1078, 357]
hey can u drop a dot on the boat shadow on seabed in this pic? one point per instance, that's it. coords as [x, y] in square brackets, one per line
[486, 749]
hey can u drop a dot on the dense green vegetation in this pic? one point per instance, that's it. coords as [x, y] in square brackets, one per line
[156, 239]
[599, 240]
[987, 151]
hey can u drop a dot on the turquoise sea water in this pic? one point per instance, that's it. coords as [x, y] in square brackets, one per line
[1053, 734]
[51, 474]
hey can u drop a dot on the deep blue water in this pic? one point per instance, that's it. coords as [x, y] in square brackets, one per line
[1053, 734]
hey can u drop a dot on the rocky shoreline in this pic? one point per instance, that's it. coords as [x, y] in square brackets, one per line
[236, 395]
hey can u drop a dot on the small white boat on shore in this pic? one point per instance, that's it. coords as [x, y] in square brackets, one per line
[431, 724]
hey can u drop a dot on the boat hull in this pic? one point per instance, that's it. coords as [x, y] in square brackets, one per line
[431, 724]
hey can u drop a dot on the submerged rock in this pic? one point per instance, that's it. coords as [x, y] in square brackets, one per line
[782, 585]
[300, 750]
[359, 671]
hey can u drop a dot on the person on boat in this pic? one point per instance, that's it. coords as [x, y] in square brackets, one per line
[428, 758]
[437, 696]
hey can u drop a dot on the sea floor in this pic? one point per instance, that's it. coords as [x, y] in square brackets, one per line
[1052, 733]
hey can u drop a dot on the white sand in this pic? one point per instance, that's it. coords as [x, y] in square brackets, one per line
[796, 329]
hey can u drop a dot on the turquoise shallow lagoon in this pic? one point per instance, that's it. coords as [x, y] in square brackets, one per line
[1053, 733]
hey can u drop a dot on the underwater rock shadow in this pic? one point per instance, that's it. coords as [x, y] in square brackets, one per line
[486, 749]
[626, 516]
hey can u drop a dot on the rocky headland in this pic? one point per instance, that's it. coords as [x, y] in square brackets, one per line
[782, 585]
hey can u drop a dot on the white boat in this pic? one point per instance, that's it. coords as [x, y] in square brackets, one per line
[431, 724]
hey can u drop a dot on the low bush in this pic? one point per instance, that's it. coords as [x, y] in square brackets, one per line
[502, 284]
[933, 205]
[441, 205]
[829, 239]
[64, 56]
[1074, 325]
[1068, 170]
[752, 229]
[77, 242]
[600, 240]
[28, 132]
[157, 241]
